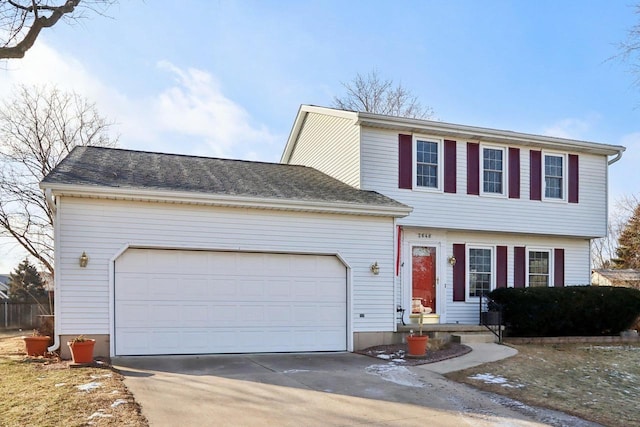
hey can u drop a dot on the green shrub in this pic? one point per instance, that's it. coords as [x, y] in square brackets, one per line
[568, 311]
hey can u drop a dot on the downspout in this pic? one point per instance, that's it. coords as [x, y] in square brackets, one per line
[51, 202]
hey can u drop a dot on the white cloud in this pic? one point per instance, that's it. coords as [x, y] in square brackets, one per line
[195, 106]
[571, 128]
[190, 115]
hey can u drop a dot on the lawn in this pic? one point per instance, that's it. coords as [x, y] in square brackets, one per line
[600, 383]
[46, 392]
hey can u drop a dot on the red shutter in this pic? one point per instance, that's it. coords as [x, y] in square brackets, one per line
[405, 161]
[574, 178]
[535, 176]
[449, 166]
[514, 173]
[501, 267]
[473, 168]
[519, 267]
[558, 267]
[459, 253]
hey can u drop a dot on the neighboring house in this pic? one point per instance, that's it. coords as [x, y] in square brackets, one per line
[629, 278]
[365, 215]
[4, 286]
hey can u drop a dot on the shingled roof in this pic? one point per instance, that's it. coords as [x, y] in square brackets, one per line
[127, 169]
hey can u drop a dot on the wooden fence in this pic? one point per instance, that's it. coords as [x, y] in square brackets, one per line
[19, 315]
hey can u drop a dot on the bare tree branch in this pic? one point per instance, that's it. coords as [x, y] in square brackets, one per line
[629, 49]
[371, 94]
[39, 126]
[21, 24]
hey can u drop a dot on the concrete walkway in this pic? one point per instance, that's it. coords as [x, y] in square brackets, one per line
[481, 353]
[320, 389]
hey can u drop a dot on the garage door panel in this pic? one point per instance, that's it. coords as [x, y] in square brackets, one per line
[225, 302]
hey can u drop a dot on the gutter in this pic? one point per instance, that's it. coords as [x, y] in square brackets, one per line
[617, 157]
[229, 201]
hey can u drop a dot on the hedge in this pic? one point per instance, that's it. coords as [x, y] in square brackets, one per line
[567, 311]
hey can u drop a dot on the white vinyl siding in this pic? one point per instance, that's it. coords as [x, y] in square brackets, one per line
[102, 228]
[500, 214]
[576, 264]
[331, 145]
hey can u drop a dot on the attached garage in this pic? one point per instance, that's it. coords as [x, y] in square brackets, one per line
[190, 302]
[196, 255]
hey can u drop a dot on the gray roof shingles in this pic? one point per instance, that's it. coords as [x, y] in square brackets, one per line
[118, 168]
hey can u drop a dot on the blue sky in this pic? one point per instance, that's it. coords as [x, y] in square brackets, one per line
[225, 78]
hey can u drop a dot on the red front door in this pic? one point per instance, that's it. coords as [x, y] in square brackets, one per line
[423, 273]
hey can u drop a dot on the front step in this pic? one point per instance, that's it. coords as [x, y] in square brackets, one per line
[473, 338]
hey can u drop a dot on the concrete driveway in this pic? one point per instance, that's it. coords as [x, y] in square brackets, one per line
[336, 389]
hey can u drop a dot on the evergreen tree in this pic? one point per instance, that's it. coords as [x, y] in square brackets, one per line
[25, 284]
[628, 251]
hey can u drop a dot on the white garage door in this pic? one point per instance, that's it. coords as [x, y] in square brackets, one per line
[191, 302]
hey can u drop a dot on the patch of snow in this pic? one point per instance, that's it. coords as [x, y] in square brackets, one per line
[398, 360]
[495, 379]
[395, 374]
[95, 377]
[89, 386]
[60, 384]
[100, 413]
[118, 403]
[383, 356]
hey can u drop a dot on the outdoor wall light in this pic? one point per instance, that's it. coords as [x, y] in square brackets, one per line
[452, 261]
[84, 260]
[375, 268]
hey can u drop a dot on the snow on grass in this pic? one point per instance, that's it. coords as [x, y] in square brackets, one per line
[395, 374]
[495, 379]
[100, 413]
[89, 386]
[118, 403]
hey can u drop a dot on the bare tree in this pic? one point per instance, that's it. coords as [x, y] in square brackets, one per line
[372, 94]
[603, 250]
[39, 126]
[21, 21]
[629, 50]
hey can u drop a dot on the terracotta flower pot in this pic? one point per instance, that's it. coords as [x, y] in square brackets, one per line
[81, 351]
[36, 346]
[417, 345]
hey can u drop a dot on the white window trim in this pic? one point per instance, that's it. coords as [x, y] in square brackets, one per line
[565, 184]
[467, 284]
[505, 166]
[440, 143]
[551, 263]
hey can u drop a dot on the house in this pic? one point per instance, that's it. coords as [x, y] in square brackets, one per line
[629, 278]
[365, 215]
[4, 286]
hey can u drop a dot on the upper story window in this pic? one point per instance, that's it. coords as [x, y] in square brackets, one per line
[481, 276]
[539, 268]
[554, 176]
[428, 163]
[493, 170]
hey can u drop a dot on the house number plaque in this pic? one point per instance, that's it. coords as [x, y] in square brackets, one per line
[424, 235]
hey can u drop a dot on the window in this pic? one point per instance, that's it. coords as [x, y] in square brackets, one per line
[493, 170]
[428, 161]
[539, 268]
[554, 176]
[480, 271]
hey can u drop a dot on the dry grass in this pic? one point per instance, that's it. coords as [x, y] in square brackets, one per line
[44, 392]
[600, 383]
